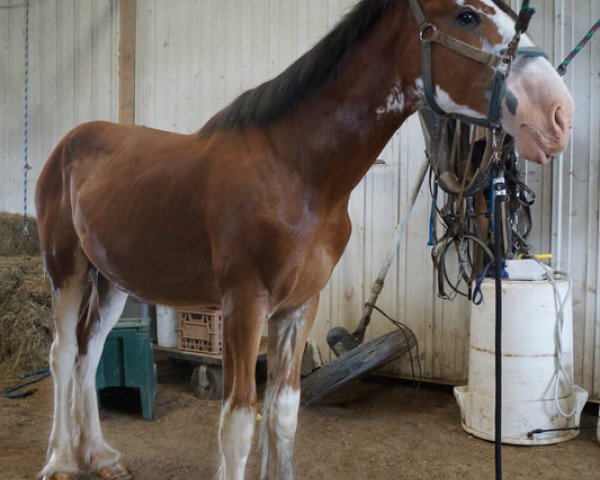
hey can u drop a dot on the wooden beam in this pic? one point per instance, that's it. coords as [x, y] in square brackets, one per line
[127, 20]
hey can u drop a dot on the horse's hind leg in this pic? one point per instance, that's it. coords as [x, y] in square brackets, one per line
[105, 307]
[62, 462]
[288, 332]
[76, 439]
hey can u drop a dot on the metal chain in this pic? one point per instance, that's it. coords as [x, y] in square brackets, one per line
[26, 166]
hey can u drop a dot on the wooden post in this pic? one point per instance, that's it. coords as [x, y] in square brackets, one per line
[127, 19]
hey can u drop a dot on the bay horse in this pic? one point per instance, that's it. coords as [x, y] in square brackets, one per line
[251, 211]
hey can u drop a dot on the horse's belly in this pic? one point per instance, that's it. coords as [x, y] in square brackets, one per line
[159, 266]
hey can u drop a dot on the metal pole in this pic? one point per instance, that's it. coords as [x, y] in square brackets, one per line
[398, 234]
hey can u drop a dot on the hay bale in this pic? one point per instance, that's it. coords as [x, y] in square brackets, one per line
[12, 240]
[25, 315]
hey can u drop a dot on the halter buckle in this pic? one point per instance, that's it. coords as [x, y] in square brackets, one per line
[424, 28]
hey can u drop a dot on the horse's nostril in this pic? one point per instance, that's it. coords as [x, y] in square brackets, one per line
[561, 119]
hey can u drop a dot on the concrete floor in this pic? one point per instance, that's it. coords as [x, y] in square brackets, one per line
[371, 430]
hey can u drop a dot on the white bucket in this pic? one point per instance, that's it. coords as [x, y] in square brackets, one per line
[166, 326]
[529, 360]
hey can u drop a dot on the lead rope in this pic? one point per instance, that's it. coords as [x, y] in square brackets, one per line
[26, 166]
[562, 68]
[500, 196]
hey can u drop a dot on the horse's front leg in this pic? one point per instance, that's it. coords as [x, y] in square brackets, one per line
[245, 314]
[288, 332]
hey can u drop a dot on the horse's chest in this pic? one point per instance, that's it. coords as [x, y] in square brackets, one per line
[308, 263]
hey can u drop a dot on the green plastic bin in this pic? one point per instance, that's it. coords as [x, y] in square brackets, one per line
[127, 361]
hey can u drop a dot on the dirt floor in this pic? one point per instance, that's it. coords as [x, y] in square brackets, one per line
[370, 430]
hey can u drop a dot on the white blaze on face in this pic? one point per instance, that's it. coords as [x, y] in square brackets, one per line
[448, 105]
[504, 23]
[506, 29]
[444, 100]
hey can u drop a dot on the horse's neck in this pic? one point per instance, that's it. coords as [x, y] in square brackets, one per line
[342, 126]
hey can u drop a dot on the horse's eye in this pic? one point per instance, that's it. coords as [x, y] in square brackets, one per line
[467, 18]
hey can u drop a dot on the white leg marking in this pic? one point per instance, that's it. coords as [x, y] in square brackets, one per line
[235, 439]
[94, 452]
[61, 455]
[505, 26]
[283, 419]
[280, 409]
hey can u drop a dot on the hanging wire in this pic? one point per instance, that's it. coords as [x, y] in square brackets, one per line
[416, 358]
[562, 376]
[26, 166]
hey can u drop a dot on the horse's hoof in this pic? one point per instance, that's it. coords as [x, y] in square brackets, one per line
[60, 476]
[118, 471]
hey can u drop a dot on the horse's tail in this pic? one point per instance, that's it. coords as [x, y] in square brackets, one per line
[50, 182]
[58, 239]
[51, 203]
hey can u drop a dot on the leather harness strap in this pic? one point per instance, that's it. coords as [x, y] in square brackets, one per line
[429, 34]
[459, 46]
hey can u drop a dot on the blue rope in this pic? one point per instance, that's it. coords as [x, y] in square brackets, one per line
[477, 293]
[37, 376]
[26, 166]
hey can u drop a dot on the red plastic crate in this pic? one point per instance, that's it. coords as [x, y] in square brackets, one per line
[200, 330]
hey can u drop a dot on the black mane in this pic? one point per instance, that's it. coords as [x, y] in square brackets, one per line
[269, 101]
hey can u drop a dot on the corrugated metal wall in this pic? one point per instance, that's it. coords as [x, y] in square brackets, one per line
[72, 78]
[193, 57]
[575, 201]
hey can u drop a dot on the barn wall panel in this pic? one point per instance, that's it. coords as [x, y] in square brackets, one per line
[576, 206]
[72, 79]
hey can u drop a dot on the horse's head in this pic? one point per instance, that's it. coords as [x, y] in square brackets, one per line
[533, 105]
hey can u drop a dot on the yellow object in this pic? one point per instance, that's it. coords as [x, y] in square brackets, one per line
[539, 256]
